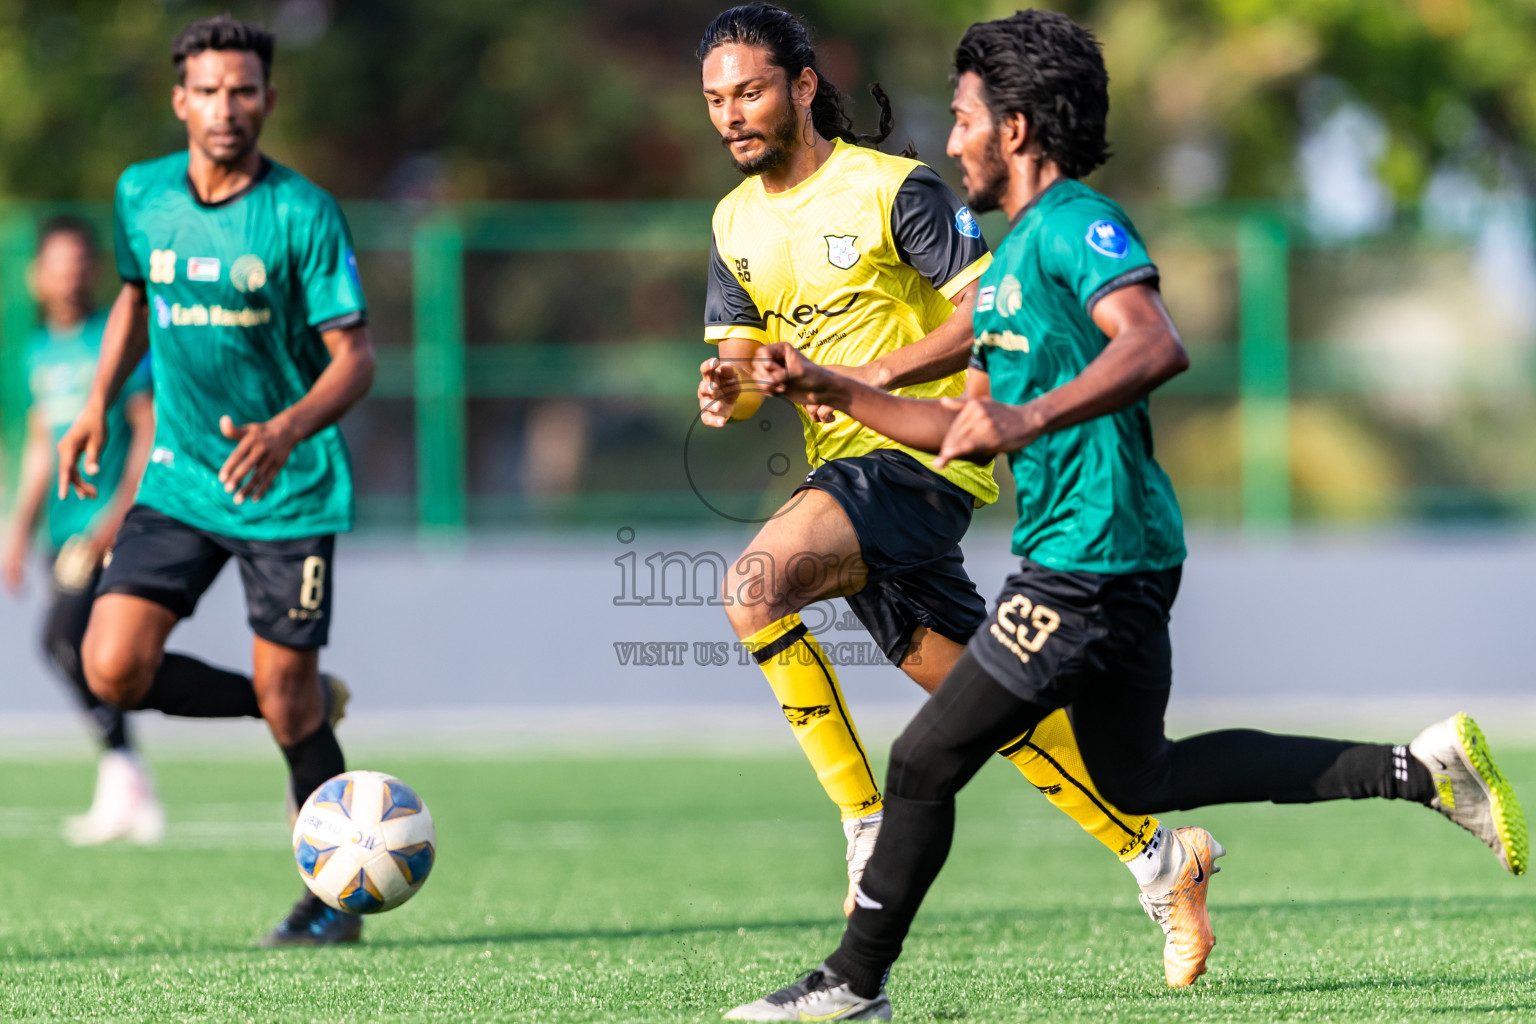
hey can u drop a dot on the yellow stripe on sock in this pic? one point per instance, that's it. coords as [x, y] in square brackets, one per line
[1049, 758]
[806, 685]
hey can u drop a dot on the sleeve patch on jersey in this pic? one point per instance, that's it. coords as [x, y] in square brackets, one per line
[966, 224]
[986, 298]
[840, 251]
[1108, 238]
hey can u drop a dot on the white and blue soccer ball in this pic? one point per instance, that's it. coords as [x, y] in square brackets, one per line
[364, 842]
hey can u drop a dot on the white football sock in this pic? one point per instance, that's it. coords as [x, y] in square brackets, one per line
[1158, 866]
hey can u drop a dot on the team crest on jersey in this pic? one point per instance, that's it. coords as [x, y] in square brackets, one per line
[162, 311]
[840, 251]
[248, 273]
[1010, 296]
[1109, 238]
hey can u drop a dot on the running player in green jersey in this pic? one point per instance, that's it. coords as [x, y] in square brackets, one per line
[239, 277]
[1071, 337]
[870, 262]
[60, 362]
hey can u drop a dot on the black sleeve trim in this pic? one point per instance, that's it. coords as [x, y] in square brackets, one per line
[978, 361]
[1137, 275]
[726, 302]
[336, 323]
[923, 227]
[133, 280]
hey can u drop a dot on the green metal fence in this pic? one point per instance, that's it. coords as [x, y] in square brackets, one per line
[439, 371]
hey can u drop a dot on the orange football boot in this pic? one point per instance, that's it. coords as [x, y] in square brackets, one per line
[1181, 910]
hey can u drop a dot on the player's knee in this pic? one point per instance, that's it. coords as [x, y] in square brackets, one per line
[116, 672]
[923, 765]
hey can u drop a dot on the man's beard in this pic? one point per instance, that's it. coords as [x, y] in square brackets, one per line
[236, 156]
[778, 146]
[986, 195]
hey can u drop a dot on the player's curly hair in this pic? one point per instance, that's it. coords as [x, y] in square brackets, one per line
[222, 32]
[1043, 65]
[788, 42]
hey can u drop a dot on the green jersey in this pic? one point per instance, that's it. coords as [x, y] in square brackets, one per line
[240, 292]
[60, 368]
[1091, 497]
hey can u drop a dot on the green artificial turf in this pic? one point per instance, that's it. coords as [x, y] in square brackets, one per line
[646, 888]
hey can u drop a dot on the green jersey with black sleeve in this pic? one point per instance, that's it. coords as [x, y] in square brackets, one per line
[1091, 497]
[239, 293]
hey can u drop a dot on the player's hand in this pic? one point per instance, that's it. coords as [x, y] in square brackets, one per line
[796, 376]
[719, 387]
[263, 449]
[17, 549]
[86, 436]
[983, 428]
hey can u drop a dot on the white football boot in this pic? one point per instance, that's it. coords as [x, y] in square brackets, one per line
[1470, 789]
[861, 834]
[820, 995]
[124, 807]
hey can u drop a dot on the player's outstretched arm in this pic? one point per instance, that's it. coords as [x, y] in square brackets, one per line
[139, 411]
[943, 351]
[1144, 351]
[263, 448]
[917, 422]
[124, 341]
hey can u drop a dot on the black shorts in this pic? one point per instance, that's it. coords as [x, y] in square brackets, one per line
[909, 521]
[287, 582]
[1053, 635]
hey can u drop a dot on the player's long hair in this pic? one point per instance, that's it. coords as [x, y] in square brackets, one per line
[1045, 66]
[788, 42]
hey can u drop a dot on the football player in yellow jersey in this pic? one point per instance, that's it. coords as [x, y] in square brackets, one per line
[867, 262]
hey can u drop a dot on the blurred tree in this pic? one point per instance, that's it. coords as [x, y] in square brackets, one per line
[598, 98]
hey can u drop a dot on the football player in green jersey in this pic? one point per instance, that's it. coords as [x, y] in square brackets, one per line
[1071, 337]
[239, 278]
[61, 360]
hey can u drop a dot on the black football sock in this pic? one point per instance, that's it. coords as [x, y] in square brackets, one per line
[62, 635]
[960, 729]
[191, 688]
[914, 843]
[312, 760]
[1240, 765]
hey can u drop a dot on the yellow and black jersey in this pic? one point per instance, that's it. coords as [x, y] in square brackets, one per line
[859, 259]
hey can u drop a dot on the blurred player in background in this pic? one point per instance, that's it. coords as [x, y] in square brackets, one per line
[871, 262]
[1071, 337]
[61, 360]
[239, 277]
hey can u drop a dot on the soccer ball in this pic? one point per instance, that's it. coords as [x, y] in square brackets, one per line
[364, 842]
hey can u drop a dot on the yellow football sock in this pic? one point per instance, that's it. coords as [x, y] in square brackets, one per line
[1049, 758]
[806, 685]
